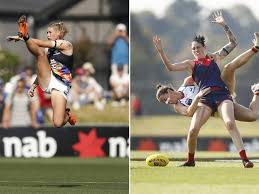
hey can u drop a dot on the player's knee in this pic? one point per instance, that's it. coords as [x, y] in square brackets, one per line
[193, 133]
[228, 68]
[57, 123]
[252, 117]
[230, 125]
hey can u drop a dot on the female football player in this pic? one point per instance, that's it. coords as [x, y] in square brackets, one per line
[54, 66]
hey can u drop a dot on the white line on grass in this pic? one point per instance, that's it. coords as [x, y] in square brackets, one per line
[45, 182]
[255, 161]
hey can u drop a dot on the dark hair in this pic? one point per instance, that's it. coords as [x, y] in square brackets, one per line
[162, 89]
[200, 39]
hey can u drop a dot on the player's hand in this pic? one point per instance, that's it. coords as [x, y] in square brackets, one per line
[13, 38]
[157, 42]
[32, 90]
[204, 92]
[218, 18]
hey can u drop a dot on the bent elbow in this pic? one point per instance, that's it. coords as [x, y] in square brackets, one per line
[169, 68]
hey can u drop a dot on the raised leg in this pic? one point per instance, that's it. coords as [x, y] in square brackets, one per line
[228, 73]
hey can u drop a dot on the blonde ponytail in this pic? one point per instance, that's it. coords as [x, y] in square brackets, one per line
[59, 26]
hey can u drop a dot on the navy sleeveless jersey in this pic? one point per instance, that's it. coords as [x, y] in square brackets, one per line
[61, 65]
[206, 73]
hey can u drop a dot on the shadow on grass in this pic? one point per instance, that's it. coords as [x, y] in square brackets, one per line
[57, 185]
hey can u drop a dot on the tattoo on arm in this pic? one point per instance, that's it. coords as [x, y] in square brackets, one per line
[232, 42]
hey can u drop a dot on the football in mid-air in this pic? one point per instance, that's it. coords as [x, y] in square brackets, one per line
[157, 160]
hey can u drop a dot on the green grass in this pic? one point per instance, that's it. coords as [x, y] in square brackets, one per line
[110, 114]
[137, 155]
[206, 178]
[64, 175]
[178, 126]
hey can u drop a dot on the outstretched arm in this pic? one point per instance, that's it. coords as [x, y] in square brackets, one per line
[59, 44]
[224, 51]
[181, 66]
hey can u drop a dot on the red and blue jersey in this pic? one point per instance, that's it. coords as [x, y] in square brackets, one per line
[206, 73]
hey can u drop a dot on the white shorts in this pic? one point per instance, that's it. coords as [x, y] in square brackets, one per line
[58, 85]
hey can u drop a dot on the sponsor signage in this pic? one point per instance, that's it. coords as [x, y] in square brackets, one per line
[87, 142]
[178, 144]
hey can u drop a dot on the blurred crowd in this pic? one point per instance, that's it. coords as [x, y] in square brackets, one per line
[18, 109]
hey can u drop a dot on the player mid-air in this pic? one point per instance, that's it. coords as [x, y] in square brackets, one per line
[54, 67]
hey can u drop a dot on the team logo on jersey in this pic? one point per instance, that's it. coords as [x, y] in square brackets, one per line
[188, 101]
[55, 65]
[52, 61]
[56, 52]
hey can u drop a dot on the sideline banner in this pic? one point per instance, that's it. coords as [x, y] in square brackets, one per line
[81, 141]
[178, 144]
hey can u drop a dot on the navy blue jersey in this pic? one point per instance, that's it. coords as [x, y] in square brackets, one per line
[206, 73]
[61, 65]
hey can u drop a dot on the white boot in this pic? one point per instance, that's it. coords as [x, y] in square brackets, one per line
[255, 89]
[256, 40]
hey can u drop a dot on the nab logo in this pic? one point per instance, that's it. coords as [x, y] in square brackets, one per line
[29, 147]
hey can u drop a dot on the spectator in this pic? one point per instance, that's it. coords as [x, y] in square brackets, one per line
[45, 107]
[135, 105]
[120, 86]
[119, 43]
[18, 110]
[1, 98]
[85, 89]
[29, 77]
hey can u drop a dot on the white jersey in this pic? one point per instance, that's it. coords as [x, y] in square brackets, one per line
[189, 93]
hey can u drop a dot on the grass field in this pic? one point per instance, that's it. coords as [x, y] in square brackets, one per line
[110, 114]
[210, 176]
[175, 125]
[64, 176]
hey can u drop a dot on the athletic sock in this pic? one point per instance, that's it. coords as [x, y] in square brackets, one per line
[242, 154]
[255, 49]
[190, 157]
